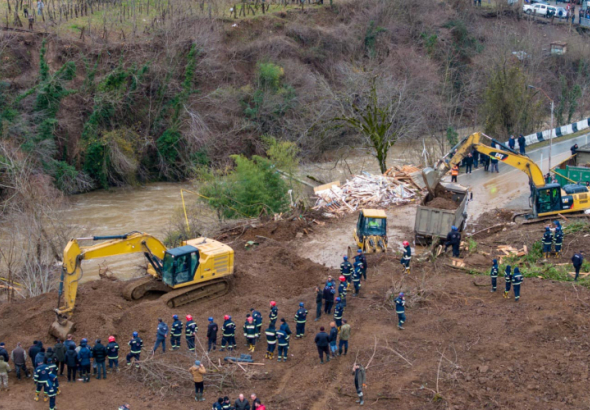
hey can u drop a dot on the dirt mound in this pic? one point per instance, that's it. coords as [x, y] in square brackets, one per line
[443, 203]
[476, 260]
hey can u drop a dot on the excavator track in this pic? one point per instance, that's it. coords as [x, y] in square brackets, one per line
[137, 288]
[207, 290]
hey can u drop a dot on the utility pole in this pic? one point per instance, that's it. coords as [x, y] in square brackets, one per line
[551, 132]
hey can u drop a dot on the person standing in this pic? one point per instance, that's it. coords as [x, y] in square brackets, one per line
[494, 274]
[113, 354]
[4, 369]
[4, 352]
[283, 336]
[99, 353]
[257, 316]
[242, 403]
[345, 270]
[33, 352]
[468, 163]
[558, 241]
[322, 341]
[517, 279]
[161, 335]
[358, 371]
[228, 334]
[212, 335]
[360, 256]
[547, 241]
[329, 293]
[400, 309]
[333, 338]
[52, 389]
[40, 379]
[344, 337]
[507, 280]
[19, 358]
[271, 341]
[175, 333]
[577, 261]
[475, 154]
[197, 371]
[407, 256]
[521, 144]
[72, 363]
[40, 7]
[494, 163]
[342, 290]
[454, 172]
[274, 313]
[574, 149]
[338, 312]
[512, 142]
[84, 356]
[453, 240]
[190, 332]
[485, 160]
[356, 281]
[319, 296]
[135, 344]
[60, 356]
[250, 333]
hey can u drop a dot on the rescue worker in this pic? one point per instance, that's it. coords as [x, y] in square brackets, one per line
[319, 297]
[283, 336]
[84, 356]
[357, 266]
[345, 269]
[454, 172]
[400, 309]
[407, 256]
[212, 335]
[453, 240]
[577, 261]
[161, 335]
[300, 319]
[358, 371]
[257, 320]
[494, 274]
[329, 293]
[547, 242]
[271, 341]
[113, 353]
[507, 280]
[190, 332]
[52, 389]
[343, 290]
[338, 312]
[226, 405]
[517, 279]
[558, 240]
[135, 345]
[228, 337]
[356, 281]
[274, 313]
[175, 333]
[52, 366]
[40, 378]
[360, 256]
[250, 333]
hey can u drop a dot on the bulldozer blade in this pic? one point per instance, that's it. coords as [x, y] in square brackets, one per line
[61, 331]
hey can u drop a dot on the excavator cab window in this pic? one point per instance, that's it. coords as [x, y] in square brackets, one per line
[374, 226]
[180, 265]
[549, 198]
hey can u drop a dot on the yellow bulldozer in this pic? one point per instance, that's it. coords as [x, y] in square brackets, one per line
[370, 234]
[199, 269]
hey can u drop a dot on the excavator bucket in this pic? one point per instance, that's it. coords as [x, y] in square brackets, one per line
[60, 329]
[431, 178]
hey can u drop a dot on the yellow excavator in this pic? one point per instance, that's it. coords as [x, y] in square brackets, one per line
[546, 198]
[370, 234]
[199, 269]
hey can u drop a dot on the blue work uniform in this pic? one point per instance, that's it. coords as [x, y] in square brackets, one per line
[363, 259]
[517, 279]
[356, 281]
[300, 320]
[135, 344]
[400, 309]
[175, 334]
[507, 280]
[346, 270]
[494, 276]
[271, 341]
[577, 261]
[40, 378]
[342, 291]
[161, 335]
[273, 315]
[113, 355]
[453, 240]
[52, 389]
[558, 240]
[228, 335]
[258, 321]
[283, 342]
[250, 333]
[407, 258]
[547, 242]
[190, 331]
[338, 312]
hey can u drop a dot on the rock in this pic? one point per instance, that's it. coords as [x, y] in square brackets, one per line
[483, 369]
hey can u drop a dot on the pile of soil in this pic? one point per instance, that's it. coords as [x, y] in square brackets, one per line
[443, 203]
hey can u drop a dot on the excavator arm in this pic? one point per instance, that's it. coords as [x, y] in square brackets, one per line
[72, 273]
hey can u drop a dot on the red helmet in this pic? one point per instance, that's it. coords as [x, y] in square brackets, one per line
[273, 303]
[111, 339]
[342, 278]
[226, 317]
[250, 319]
[406, 243]
[189, 317]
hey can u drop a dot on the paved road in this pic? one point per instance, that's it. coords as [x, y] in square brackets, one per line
[509, 189]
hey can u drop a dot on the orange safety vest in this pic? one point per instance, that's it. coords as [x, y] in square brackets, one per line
[455, 171]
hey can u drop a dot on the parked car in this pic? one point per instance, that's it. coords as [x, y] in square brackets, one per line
[539, 9]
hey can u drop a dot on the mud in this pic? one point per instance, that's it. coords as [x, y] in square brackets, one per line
[443, 203]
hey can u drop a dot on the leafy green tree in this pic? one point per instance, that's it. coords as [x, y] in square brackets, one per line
[568, 101]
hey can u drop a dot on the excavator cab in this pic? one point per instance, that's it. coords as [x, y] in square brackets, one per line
[180, 265]
[548, 199]
[370, 234]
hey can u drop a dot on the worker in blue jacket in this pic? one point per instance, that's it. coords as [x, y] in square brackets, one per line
[360, 256]
[338, 312]
[356, 281]
[257, 316]
[494, 274]
[453, 240]
[400, 309]
[161, 335]
[517, 279]
[558, 240]
[547, 241]
[283, 337]
[84, 356]
[176, 333]
[271, 341]
[135, 345]
[407, 256]
[300, 320]
[40, 378]
[507, 280]
[343, 290]
[228, 334]
[273, 314]
[113, 353]
[577, 261]
[52, 389]
[190, 331]
[346, 269]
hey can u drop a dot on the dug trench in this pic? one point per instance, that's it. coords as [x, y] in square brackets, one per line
[463, 347]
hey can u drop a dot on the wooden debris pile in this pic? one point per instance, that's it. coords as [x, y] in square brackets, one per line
[404, 174]
[363, 191]
[510, 251]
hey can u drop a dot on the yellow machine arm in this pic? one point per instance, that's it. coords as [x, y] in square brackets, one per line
[133, 242]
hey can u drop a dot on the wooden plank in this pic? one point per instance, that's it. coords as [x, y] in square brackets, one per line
[582, 274]
[327, 186]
